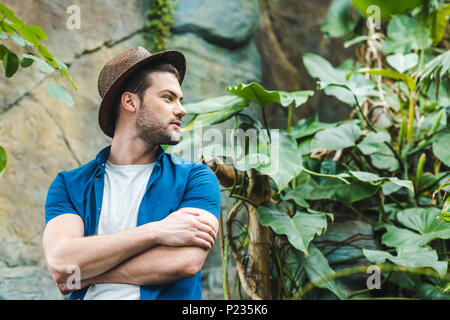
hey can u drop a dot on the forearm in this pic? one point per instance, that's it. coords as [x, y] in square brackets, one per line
[159, 265]
[95, 255]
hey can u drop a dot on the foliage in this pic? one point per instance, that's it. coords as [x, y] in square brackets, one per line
[388, 164]
[14, 30]
[161, 18]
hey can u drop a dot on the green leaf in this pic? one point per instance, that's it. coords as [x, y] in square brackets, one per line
[441, 148]
[3, 160]
[375, 179]
[402, 34]
[437, 21]
[334, 189]
[19, 40]
[401, 62]
[429, 292]
[34, 34]
[334, 82]
[3, 51]
[409, 256]
[320, 273]
[424, 221]
[9, 14]
[256, 93]
[341, 137]
[445, 213]
[380, 154]
[58, 92]
[43, 66]
[10, 64]
[387, 8]
[309, 126]
[285, 159]
[372, 143]
[389, 74]
[338, 22]
[210, 118]
[26, 62]
[300, 229]
[212, 104]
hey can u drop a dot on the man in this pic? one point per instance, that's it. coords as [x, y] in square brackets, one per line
[136, 222]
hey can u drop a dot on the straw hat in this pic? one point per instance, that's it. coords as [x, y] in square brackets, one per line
[119, 69]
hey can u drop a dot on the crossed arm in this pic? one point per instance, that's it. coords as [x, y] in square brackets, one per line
[154, 253]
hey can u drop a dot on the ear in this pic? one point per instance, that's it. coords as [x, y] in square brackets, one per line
[130, 102]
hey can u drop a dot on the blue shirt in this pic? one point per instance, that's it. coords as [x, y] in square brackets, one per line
[173, 184]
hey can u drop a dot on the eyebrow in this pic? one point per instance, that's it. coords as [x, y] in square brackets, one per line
[171, 92]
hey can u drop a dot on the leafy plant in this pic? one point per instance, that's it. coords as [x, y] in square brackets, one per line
[29, 37]
[386, 165]
[161, 18]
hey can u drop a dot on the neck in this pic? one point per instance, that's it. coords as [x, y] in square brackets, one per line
[126, 151]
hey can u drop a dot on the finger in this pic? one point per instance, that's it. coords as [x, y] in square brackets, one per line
[207, 222]
[207, 229]
[203, 243]
[207, 237]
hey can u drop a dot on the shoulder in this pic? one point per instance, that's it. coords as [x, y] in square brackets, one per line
[82, 172]
[195, 168]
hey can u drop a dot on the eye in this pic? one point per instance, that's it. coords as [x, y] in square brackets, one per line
[167, 96]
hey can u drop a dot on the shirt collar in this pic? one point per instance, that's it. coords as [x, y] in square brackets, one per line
[103, 155]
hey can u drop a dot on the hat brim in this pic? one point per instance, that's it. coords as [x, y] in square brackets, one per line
[106, 116]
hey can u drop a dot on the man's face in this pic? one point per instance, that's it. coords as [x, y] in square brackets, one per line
[159, 117]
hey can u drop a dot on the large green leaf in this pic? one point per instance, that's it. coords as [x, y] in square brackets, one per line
[380, 154]
[441, 148]
[338, 22]
[256, 93]
[319, 272]
[375, 179]
[409, 256]
[308, 126]
[210, 118]
[212, 104]
[333, 189]
[437, 21]
[387, 8]
[403, 34]
[285, 159]
[358, 86]
[388, 74]
[424, 221]
[371, 143]
[300, 229]
[341, 137]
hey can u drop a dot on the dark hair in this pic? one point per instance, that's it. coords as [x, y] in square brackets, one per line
[141, 81]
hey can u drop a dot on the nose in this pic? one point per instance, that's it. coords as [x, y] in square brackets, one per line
[180, 111]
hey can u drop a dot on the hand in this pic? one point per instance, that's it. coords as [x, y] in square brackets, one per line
[185, 227]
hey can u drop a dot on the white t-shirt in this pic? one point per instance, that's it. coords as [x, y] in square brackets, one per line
[122, 195]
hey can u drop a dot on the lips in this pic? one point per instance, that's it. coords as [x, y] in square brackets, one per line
[177, 123]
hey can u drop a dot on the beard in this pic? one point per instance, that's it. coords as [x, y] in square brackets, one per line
[154, 132]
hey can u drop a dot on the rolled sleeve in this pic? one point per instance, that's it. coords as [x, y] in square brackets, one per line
[202, 190]
[58, 200]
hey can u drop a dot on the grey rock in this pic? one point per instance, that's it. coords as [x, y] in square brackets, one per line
[228, 23]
